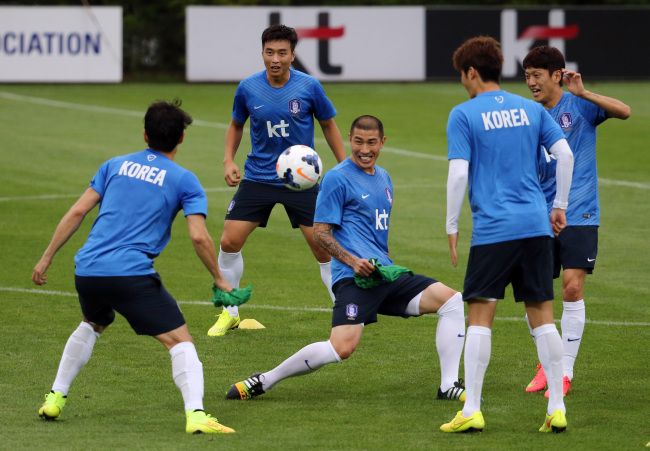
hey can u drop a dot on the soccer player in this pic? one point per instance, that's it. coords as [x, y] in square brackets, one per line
[578, 112]
[139, 196]
[493, 144]
[282, 104]
[351, 223]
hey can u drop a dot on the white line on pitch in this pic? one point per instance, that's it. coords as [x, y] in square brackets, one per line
[306, 309]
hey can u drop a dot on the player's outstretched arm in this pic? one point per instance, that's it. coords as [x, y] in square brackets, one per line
[234, 135]
[204, 247]
[67, 227]
[324, 238]
[333, 138]
[613, 107]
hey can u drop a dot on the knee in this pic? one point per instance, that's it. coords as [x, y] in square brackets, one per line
[231, 244]
[344, 350]
[572, 292]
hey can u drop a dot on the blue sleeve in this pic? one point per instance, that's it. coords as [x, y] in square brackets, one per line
[331, 199]
[550, 130]
[239, 109]
[323, 107]
[193, 198]
[458, 136]
[98, 182]
[594, 114]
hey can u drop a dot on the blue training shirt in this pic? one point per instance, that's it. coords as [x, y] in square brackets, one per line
[578, 118]
[141, 194]
[358, 205]
[500, 134]
[280, 118]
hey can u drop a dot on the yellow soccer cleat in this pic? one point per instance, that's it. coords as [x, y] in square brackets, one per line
[555, 423]
[224, 324]
[53, 405]
[475, 423]
[198, 422]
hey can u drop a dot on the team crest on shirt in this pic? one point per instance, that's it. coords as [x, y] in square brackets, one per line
[565, 120]
[499, 99]
[389, 196]
[351, 311]
[230, 206]
[295, 107]
[151, 157]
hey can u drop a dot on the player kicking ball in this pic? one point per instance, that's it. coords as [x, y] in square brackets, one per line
[351, 223]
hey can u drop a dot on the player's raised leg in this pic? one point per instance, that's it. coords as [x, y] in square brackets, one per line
[342, 343]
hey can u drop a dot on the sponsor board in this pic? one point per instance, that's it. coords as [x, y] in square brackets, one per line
[60, 44]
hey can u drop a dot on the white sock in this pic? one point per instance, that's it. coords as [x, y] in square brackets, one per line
[75, 355]
[326, 275]
[549, 351]
[450, 338]
[309, 359]
[232, 268]
[478, 347]
[573, 325]
[187, 371]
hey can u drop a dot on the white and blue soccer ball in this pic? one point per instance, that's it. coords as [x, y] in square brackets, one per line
[299, 167]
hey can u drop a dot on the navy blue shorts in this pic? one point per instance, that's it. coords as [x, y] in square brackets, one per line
[253, 202]
[575, 248]
[142, 300]
[354, 305]
[527, 264]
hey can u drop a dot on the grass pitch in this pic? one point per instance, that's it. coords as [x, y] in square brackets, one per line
[54, 137]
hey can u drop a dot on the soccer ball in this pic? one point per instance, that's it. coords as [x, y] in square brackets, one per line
[299, 167]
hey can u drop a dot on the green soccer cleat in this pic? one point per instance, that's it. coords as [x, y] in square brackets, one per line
[224, 324]
[247, 389]
[53, 405]
[475, 423]
[457, 392]
[198, 422]
[555, 423]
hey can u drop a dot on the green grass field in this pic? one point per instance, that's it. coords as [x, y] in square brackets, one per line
[54, 137]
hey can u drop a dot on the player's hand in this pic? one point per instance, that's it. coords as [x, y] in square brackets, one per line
[573, 82]
[363, 267]
[223, 285]
[232, 175]
[558, 220]
[38, 275]
[453, 242]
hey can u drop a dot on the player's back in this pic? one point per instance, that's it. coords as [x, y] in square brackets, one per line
[141, 195]
[500, 135]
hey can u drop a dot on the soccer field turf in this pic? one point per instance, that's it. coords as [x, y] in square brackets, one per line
[54, 137]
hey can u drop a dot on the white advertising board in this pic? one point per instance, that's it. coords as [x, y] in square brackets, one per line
[60, 44]
[335, 43]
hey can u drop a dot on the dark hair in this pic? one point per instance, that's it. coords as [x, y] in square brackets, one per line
[165, 123]
[483, 53]
[369, 123]
[545, 57]
[280, 33]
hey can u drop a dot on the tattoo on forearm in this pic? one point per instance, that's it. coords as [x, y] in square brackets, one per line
[324, 238]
